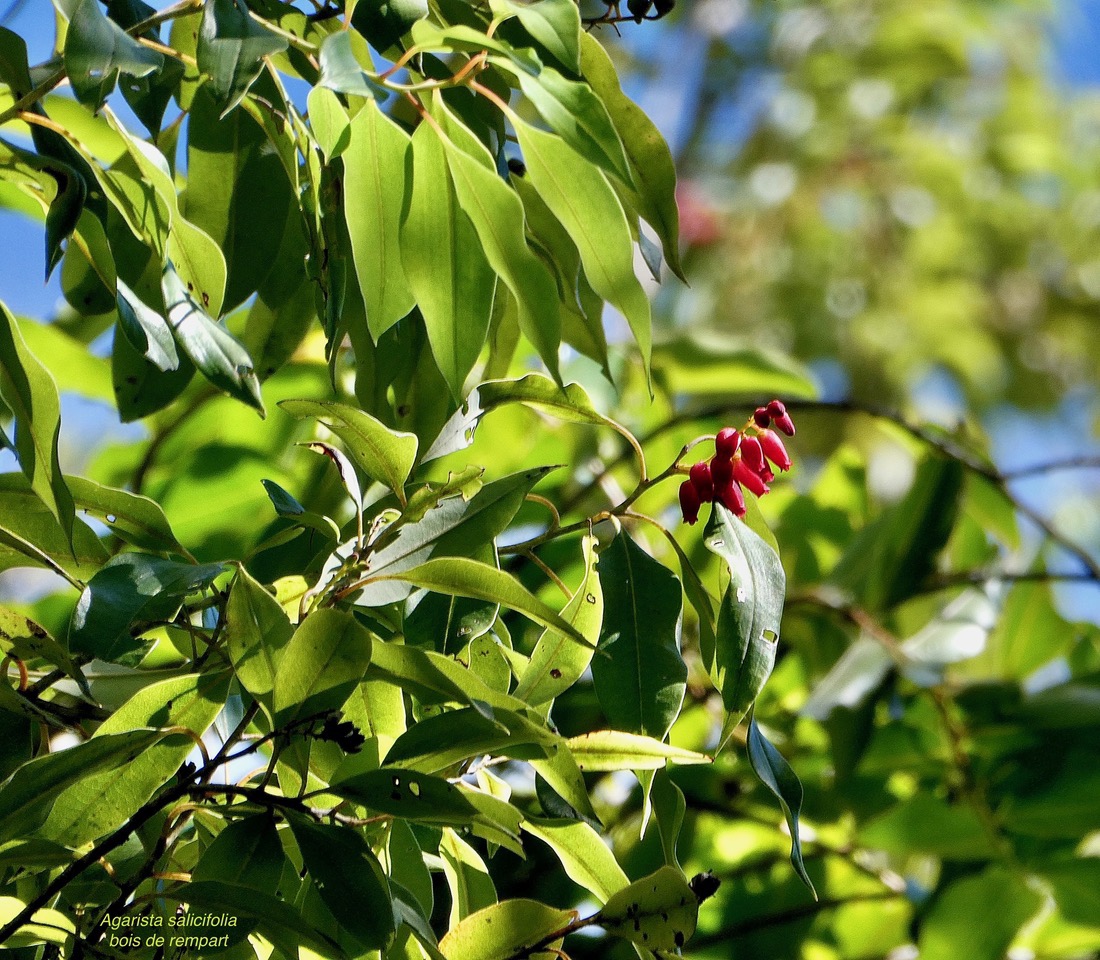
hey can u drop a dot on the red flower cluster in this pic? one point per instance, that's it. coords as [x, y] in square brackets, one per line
[742, 458]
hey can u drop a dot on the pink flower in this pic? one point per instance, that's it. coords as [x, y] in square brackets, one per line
[774, 449]
[749, 479]
[778, 412]
[689, 501]
[727, 442]
[721, 472]
[731, 497]
[702, 481]
[752, 453]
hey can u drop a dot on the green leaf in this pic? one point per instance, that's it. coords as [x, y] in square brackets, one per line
[256, 631]
[146, 330]
[641, 681]
[606, 750]
[463, 577]
[97, 51]
[381, 453]
[652, 168]
[277, 921]
[776, 774]
[556, 24]
[141, 388]
[31, 395]
[978, 916]
[564, 777]
[707, 364]
[21, 637]
[69, 360]
[98, 804]
[26, 796]
[384, 22]
[329, 122]
[217, 354]
[747, 632]
[555, 663]
[444, 265]
[658, 912]
[46, 925]
[467, 877]
[30, 536]
[497, 215]
[505, 930]
[573, 111]
[454, 525]
[437, 743]
[320, 665]
[231, 49]
[407, 794]
[237, 193]
[587, 860]
[342, 70]
[349, 880]
[375, 185]
[138, 520]
[569, 403]
[889, 558]
[582, 199]
[132, 589]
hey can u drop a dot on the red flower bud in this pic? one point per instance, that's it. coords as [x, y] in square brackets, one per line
[752, 454]
[774, 449]
[780, 417]
[766, 474]
[750, 480]
[727, 442]
[761, 417]
[731, 497]
[689, 501]
[702, 481]
[721, 471]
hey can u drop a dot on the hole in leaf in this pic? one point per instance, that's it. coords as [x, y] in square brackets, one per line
[590, 598]
[771, 636]
[111, 518]
[414, 789]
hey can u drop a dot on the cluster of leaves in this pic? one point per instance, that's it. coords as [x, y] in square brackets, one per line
[375, 662]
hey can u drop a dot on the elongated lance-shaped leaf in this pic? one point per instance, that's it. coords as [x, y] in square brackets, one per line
[31, 395]
[463, 577]
[747, 631]
[556, 24]
[145, 329]
[605, 750]
[555, 663]
[375, 184]
[641, 681]
[134, 518]
[408, 794]
[256, 631]
[443, 262]
[505, 930]
[651, 165]
[583, 854]
[497, 215]
[583, 200]
[776, 774]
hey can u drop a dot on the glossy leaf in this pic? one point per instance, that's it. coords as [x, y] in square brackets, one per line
[658, 912]
[651, 165]
[231, 49]
[605, 750]
[146, 330]
[504, 930]
[97, 51]
[216, 353]
[463, 577]
[776, 774]
[641, 681]
[132, 589]
[407, 794]
[30, 393]
[556, 24]
[341, 69]
[384, 22]
[747, 632]
[137, 519]
[381, 453]
[374, 188]
[557, 664]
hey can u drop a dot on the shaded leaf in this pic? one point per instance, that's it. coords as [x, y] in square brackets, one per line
[256, 631]
[776, 774]
[407, 794]
[31, 395]
[130, 591]
[146, 330]
[641, 681]
[556, 24]
[231, 49]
